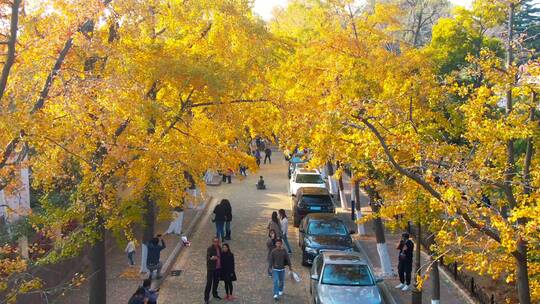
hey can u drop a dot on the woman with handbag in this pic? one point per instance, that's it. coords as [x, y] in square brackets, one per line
[227, 272]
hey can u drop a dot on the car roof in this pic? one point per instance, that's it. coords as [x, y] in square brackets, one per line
[307, 171]
[323, 216]
[313, 191]
[341, 257]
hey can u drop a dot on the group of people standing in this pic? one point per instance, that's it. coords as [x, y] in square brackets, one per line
[277, 257]
[219, 257]
[219, 267]
[222, 219]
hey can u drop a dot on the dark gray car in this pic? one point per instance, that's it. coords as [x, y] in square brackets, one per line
[343, 278]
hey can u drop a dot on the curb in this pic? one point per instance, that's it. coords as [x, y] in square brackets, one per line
[178, 248]
[385, 290]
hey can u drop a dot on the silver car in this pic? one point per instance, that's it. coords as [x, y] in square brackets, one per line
[343, 278]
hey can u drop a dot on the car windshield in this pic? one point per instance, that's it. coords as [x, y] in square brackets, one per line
[309, 179]
[347, 275]
[327, 228]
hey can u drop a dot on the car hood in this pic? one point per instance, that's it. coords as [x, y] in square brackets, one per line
[329, 241]
[332, 294]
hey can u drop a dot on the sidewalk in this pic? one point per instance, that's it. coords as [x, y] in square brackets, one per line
[122, 280]
[450, 292]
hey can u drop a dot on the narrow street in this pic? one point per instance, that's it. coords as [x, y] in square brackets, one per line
[251, 213]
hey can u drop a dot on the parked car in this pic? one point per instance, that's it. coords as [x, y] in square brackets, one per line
[294, 163]
[343, 278]
[295, 166]
[321, 231]
[302, 178]
[311, 200]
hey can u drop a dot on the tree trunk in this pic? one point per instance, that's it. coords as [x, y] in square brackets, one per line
[522, 279]
[417, 295]
[435, 282]
[416, 38]
[98, 275]
[360, 226]
[382, 248]
[332, 185]
[148, 229]
[342, 197]
[522, 273]
[435, 279]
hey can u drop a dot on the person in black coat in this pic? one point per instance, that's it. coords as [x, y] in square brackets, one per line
[213, 269]
[405, 261]
[227, 208]
[219, 220]
[228, 274]
[138, 297]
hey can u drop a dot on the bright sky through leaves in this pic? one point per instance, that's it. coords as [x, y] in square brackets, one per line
[264, 7]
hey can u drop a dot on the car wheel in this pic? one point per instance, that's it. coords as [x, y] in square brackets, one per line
[304, 259]
[296, 221]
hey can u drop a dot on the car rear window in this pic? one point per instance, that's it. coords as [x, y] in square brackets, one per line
[347, 275]
[317, 200]
[309, 179]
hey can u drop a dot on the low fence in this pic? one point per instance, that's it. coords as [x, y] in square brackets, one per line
[468, 283]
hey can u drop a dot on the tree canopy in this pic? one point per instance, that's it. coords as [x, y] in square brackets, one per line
[116, 105]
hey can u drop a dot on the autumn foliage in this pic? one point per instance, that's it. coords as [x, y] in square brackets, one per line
[110, 105]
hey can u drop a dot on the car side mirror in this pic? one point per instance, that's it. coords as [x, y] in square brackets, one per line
[314, 277]
[352, 231]
[379, 280]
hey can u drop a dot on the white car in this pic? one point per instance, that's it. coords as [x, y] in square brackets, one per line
[302, 178]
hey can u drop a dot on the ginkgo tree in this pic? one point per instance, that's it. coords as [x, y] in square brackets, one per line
[140, 93]
[457, 143]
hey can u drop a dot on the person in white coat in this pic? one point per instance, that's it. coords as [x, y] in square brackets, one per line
[130, 251]
[175, 227]
[284, 228]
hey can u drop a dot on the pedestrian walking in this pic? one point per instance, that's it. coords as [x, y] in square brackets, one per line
[275, 225]
[130, 251]
[405, 261]
[228, 174]
[213, 267]
[270, 245]
[228, 274]
[284, 229]
[242, 169]
[154, 251]
[279, 258]
[227, 208]
[258, 157]
[149, 293]
[267, 155]
[219, 220]
[138, 297]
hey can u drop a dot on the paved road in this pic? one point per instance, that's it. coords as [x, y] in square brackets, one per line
[251, 213]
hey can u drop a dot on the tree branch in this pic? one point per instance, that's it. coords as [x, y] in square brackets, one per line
[11, 43]
[421, 181]
[217, 103]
